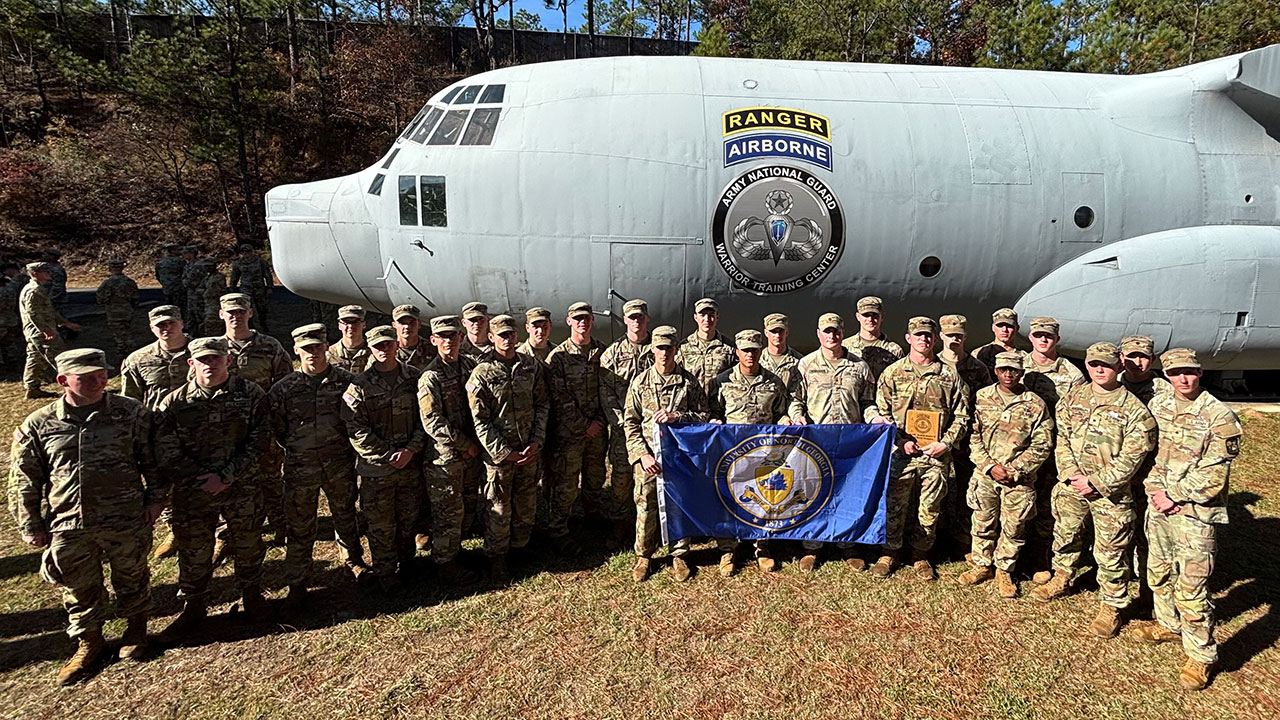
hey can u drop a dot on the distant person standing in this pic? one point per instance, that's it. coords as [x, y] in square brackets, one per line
[211, 292]
[118, 294]
[169, 274]
[57, 281]
[40, 323]
[193, 277]
[10, 321]
[251, 275]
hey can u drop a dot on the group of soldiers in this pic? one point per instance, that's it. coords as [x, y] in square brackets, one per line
[467, 429]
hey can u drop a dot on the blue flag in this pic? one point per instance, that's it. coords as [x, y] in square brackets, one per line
[792, 482]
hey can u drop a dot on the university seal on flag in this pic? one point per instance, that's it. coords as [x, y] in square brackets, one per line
[774, 482]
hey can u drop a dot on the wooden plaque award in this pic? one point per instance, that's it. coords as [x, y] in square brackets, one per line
[925, 426]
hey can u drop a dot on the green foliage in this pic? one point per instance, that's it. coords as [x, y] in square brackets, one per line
[713, 41]
[524, 20]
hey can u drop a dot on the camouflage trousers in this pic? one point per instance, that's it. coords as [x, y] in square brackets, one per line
[40, 368]
[195, 520]
[917, 488]
[956, 510]
[620, 484]
[1182, 554]
[1138, 553]
[648, 534]
[511, 497]
[73, 561]
[1001, 520]
[390, 507]
[453, 504]
[302, 486]
[175, 295]
[1112, 535]
[261, 307]
[1046, 481]
[120, 325]
[195, 310]
[577, 462]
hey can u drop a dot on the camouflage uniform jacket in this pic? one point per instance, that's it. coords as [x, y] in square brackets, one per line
[474, 351]
[973, 372]
[540, 353]
[1193, 460]
[169, 271]
[250, 275]
[382, 417]
[211, 292]
[261, 359]
[651, 391]
[222, 430]
[442, 403]
[352, 359]
[151, 372]
[879, 353]
[419, 356]
[1145, 391]
[119, 291]
[842, 391]
[751, 399]
[1051, 382]
[786, 366]
[38, 315]
[58, 284]
[1011, 430]
[97, 473]
[194, 273]
[576, 386]
[1105, 436]
[509, 404]
[905, 386]
[621, 363]
[987, 354]
[306, 419]
[706, 359]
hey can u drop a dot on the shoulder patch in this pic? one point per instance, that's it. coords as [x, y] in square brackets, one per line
[18, 435]
[471, 388]
[1233, 445]
[350, 397]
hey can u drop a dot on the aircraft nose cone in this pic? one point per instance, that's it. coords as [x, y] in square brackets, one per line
[306, 257]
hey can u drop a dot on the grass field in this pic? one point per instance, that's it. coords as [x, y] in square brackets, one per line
[583, 641]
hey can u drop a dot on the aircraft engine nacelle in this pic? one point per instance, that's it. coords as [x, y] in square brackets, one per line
[1215, 289]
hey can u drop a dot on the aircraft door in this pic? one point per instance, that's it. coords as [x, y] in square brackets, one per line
[653, 270]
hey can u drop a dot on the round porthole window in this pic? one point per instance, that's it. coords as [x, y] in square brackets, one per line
[1084, 217]
[930, 266]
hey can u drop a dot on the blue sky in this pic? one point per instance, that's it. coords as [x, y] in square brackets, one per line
[552, 20]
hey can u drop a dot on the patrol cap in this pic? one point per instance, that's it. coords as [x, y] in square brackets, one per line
[236, 301]
[921, 324]
[245, 246]
[579, 309]
[749, 340]
[35, 267]
[115, 263]
[635, 307]
[830, 320]
[952, 324]
[473, 310]
[1009, 359]
[534, 314]
[665, 336]
[446, 323]
[871, 303]
[206, 346]
[406, 311]
[501, 324]
[775, 321]
[163, 313]
[1103, 352]
[311, 334]
[380, 334]
[1138, 344]
[706, 304]
[81, 361]
[1176, 358]
[350, 312]
[1044, 324]
[1004, 315]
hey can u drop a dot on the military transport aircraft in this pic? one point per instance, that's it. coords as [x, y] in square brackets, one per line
[1117, 204]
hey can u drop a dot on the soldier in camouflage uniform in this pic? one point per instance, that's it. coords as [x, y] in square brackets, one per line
[1104, 435]
[11, 283]
[210, 437]
[975, 376]
[251, 275]
[306, 422]
[350, 353]
[706, 353]
[919, 476]
[453, 476]
[509, 402]
[386, 431]
[88, 457]
[1137, 352]
[578, 445]
[411, 348]
[40, 323]
[57, 282]
[475, 318]
[1188, 488]
[1004, 326]
[118, 294]
[169, 274]
[748, 394]
[193, 277]
[664, 392]
[1012, 437]
[778, 357]
[537, 325]
[1050, 376]
[211, 292]
[621, 362]
[837, 388]
[870, 343]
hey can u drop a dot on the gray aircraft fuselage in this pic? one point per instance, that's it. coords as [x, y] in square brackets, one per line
[1116, 204]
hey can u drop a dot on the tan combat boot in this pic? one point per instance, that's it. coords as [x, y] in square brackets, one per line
[767, 564]
[1194, 675]
[924, 569]
[168, 548]
[727, 566]
[809, 562]
[680, 569]
[1055, 588]
[855, 563]
[90, 649]
[976, 575]
[193, 613]
[133, 646]
[1153, 633]
[884, 567]
[38, 394]
[641, 569]
[1005, 586]
[221, 551]
[1107, 622]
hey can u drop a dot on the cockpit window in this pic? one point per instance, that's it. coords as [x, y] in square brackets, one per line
[387, 163]
[450, 127]
[449, 95]
[480, 131]
[408, 200]
[424, 130]
[434, 211]
[493, 94]
[414, 123]
[468, 96]
[375, 187]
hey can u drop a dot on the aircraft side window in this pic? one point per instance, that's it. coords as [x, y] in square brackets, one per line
[434, 210]
[450, 128]
[493, 94]
[480, 131]
[408, 200]
[449, 95]
[387, 163]
[414, 123]
[429, 122]
[468, 96]
[375, 187]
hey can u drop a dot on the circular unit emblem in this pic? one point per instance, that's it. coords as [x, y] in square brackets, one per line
[774, 482]
[777, 229]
